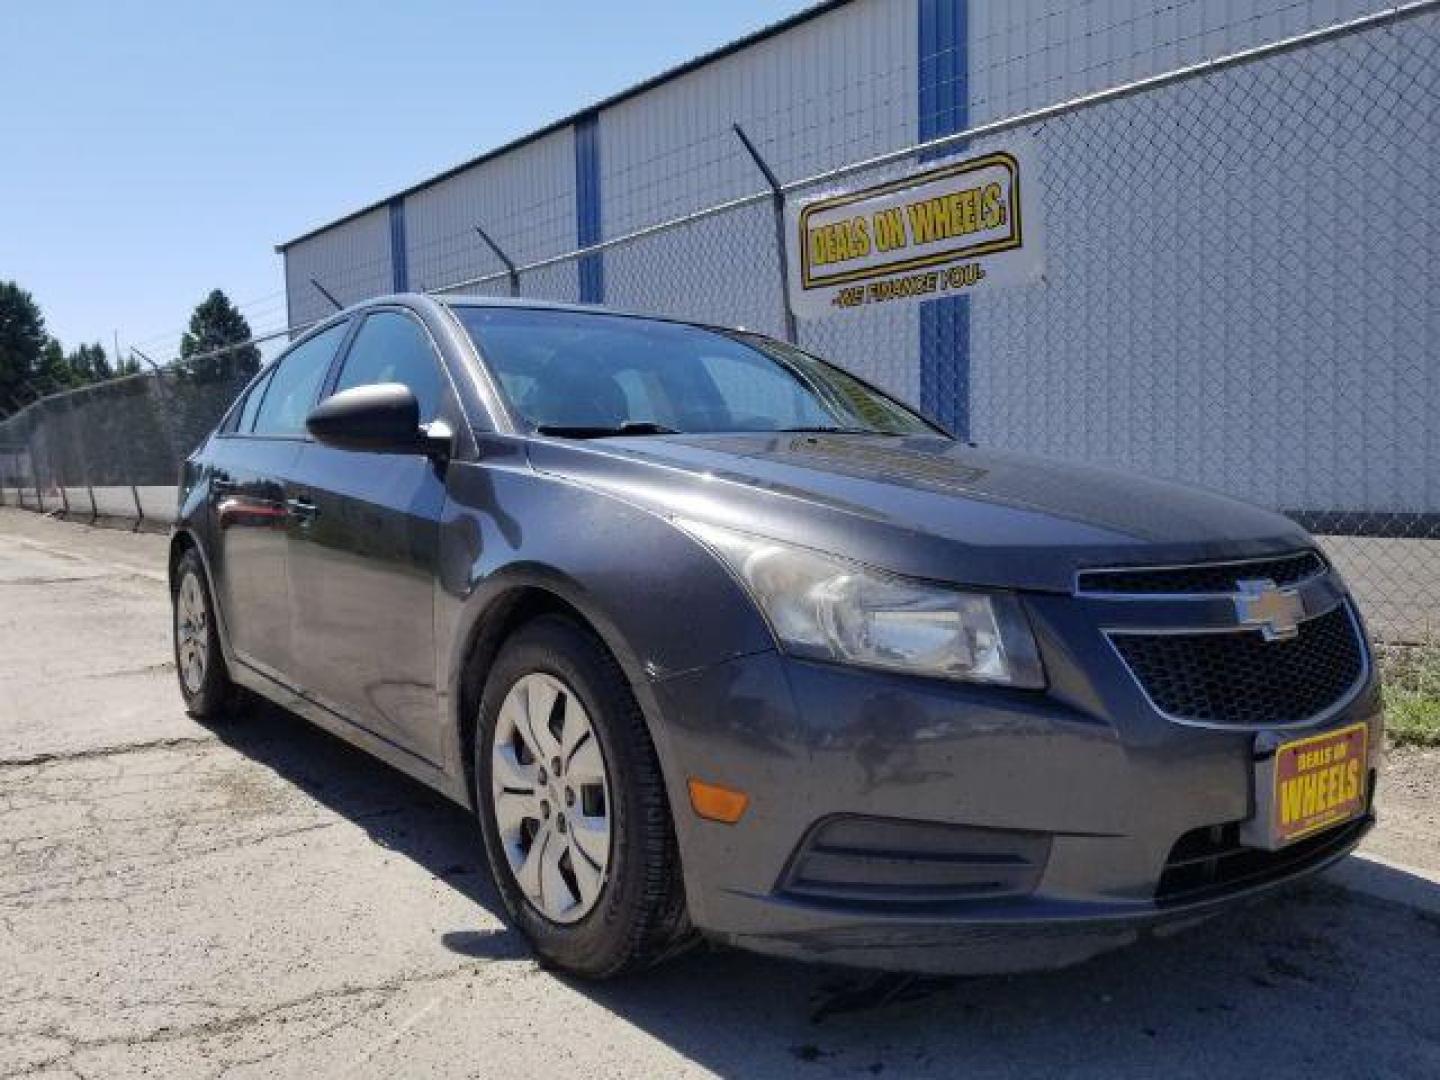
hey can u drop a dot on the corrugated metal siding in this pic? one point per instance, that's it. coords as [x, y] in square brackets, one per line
[829, 91]
[1120, 356]
[525, 200]
[1029, 53]
[834, 89]
[351, 260]
[1203, 333]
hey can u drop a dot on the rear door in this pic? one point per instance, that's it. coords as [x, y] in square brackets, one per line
[253, 466]
[363, 566]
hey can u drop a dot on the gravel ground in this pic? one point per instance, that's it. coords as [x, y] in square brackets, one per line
[262, 900]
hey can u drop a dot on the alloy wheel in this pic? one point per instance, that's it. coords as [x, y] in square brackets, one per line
[550, 791]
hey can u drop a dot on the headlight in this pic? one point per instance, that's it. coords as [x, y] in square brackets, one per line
[823, 607]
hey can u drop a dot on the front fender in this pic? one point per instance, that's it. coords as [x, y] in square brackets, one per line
[660, 601]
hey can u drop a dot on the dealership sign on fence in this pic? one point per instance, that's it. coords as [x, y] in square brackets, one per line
[962, 225]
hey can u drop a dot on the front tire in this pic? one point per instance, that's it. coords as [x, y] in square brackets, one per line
[199, 664]
[573, 807]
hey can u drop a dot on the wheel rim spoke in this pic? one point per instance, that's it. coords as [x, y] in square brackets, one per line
[512, 725]
[592, 836]
[527, 873]
[512, 810]
[575, 728]
[587, 877]
[586, 765]
[541, 699]
[556, 897]
[510, 774]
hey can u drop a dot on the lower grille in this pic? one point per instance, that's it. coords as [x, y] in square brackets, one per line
[1211, 860]
[1240, 678]
[884, 862]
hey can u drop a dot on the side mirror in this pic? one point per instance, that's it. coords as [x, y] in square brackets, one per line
[383, 418]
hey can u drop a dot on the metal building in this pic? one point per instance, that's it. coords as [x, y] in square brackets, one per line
[1218, 309]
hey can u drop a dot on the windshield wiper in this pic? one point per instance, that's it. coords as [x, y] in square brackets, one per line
[580, 431]
[841, 431]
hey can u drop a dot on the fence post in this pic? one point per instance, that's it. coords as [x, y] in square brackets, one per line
[55, 469]
[130, 472]
[326, 293]
[510, 267]
[79, 442]
[777, 200]
[35, 473]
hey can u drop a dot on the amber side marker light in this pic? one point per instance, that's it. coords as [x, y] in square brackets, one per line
[716, 803]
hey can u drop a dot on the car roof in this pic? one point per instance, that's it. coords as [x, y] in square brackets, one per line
[522, 302]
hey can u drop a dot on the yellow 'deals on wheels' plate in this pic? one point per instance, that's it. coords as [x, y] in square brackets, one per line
[1319, 782]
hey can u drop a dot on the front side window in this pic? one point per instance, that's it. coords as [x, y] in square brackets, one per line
[292, 390]
[394, 348]
[578, 372]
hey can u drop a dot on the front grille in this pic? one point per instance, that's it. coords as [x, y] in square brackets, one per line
[1284, 570]
[869, 862]
[1240, 678]
[1211, 860]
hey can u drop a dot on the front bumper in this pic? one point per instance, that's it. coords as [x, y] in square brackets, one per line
[1110, 786]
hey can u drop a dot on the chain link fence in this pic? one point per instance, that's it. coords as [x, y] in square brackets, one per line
[1240, 292]
[113, 449]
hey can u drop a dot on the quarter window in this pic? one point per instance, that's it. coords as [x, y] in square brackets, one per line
[394, 348]
[295, 384]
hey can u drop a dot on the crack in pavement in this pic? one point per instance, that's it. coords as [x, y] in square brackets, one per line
[88, 753]
[372, 997]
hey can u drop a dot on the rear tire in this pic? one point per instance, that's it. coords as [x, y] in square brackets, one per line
[593, 911]
[199, 664]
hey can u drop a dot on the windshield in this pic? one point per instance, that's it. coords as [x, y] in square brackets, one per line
[579, 373]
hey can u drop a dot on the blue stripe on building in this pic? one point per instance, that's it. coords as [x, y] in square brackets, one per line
[945, 109]
[399, 266]
[587, 207]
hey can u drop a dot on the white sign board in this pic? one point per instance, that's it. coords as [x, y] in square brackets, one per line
[945, 231]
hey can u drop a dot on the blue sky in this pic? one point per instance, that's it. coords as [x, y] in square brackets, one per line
[152, 151]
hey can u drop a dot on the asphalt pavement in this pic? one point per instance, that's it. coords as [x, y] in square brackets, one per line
[260, 900]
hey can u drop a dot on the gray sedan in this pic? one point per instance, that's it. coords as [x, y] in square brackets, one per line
[718, 641]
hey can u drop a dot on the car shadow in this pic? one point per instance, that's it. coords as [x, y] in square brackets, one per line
[1319, 981]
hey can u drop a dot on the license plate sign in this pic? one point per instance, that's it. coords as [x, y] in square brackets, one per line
[1317, 782]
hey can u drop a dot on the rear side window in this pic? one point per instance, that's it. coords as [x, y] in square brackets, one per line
[291, 393]
[246, 419]
[394, 348]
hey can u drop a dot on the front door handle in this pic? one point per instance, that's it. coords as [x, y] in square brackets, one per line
[302, 510]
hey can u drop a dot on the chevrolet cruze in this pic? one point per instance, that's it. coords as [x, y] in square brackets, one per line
[717, 641]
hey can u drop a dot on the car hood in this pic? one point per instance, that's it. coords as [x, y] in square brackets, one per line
[924, 506]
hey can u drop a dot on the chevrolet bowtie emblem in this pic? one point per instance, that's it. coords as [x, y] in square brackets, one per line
[1276, 611]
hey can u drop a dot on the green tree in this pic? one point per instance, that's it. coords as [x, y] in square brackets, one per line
[54, 370]
[216, 324]
[22, 339]
[89, 364]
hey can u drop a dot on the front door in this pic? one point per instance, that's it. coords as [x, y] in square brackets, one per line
[363, 566]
